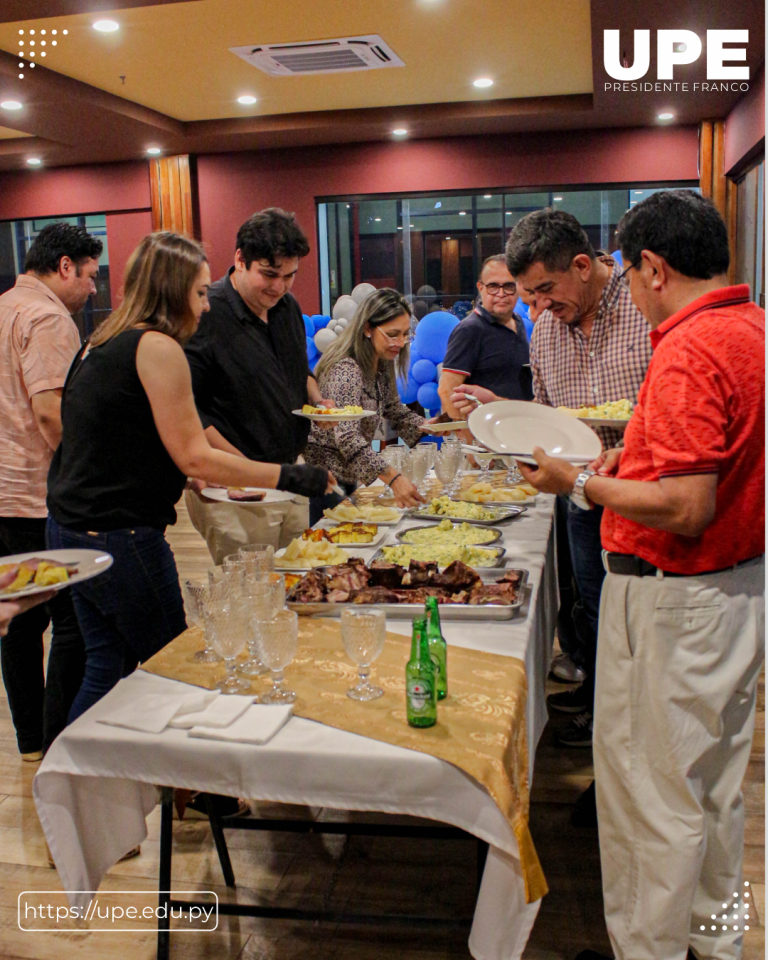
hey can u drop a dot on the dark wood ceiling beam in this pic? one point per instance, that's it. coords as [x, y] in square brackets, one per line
[12, 11]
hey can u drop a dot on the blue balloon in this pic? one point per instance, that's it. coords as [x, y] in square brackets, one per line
[413, 359]
[618, 257]
[428, 396]
[309, 326]
[432, 335]
[320, 321]
[312, 351]
[424, 371]
[407, 391]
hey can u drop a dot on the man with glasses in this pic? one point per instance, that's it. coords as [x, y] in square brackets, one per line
[489, 347]
[249, 371]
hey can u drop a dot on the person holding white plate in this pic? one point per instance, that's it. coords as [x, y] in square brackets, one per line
[360, 369]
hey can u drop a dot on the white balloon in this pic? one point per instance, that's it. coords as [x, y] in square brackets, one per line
[343, 322]
[324, 338]
[426, 291]
[361, 291]
[339, 327]
[344, 307]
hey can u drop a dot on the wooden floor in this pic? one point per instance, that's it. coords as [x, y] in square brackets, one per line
[375, 873]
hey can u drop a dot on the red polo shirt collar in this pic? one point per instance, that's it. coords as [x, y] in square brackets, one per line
[723, 297]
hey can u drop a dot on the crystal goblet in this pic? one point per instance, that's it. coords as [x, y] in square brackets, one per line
[513, 476]
[264, 598]
[228, 620]
[363, 632]
[258, 558]
[278, 640]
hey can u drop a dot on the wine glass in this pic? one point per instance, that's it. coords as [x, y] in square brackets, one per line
[258, 558]
[513, 476]
[446, 468]
[278, 640]
[228, 620]
[485, 459]
[418, 465]
[393, 454]
[363, 632]
[264, 598]
[431, 447]
[453, 447]
[195, 596]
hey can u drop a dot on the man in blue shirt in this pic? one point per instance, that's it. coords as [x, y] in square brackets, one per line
[489, 348]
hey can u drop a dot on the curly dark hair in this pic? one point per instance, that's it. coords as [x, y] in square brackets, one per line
[58, 240]
[681, 226]
[548, 236]
[271, 234]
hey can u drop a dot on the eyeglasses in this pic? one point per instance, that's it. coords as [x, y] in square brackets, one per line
[625, 272]
[406, 338]
[494, 288]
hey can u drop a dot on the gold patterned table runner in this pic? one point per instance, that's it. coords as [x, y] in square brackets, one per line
[480, 728]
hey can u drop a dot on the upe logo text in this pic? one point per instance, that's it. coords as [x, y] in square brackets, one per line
[675, 47]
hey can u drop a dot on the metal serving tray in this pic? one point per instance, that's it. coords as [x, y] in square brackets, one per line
[407, 611]
[508, 512]
[497, 534]
[499, 552]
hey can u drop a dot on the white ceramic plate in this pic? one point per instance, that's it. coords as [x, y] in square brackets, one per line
[335, 417]
[305, 569]
[325, 524]
[272, 496]
[515, 427]
[444, 427]
[596, 422]
[382, 523]
[90, 563]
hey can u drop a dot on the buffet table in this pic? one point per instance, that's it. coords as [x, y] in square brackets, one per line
[98, 782]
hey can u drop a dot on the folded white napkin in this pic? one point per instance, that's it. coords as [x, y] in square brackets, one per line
[258, 725]
[222, 711]
[152, 712]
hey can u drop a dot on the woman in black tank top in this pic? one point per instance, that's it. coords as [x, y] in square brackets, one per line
[130, 438]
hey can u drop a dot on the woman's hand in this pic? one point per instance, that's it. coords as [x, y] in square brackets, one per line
[405, 493]
[464, 390]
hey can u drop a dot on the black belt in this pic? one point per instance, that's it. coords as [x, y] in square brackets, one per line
[629, 565]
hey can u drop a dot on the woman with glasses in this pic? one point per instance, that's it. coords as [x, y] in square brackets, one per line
[360, 367]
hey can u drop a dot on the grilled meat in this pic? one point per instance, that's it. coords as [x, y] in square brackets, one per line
[349, 576]
[375, 595]
[419, 573]
[456, 576]
[245, 496]
[385, 574]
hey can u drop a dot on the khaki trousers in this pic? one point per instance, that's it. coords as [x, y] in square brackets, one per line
[677, 668]
[226, 527]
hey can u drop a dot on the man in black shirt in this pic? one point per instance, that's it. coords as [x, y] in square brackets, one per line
[249, 371]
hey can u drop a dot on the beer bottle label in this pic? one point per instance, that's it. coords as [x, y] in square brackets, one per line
[419, 695]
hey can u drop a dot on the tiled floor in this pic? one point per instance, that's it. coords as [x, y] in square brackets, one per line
[375, 874]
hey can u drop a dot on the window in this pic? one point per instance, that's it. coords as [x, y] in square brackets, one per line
[431, 247]
[16, 237]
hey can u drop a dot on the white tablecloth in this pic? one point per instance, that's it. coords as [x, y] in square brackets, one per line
[98, 782]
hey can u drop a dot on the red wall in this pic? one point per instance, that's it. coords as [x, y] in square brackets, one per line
[124, 231]
[233, 186]
[745, 124]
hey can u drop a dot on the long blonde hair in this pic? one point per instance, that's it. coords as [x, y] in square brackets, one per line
[377, 308]
[158, 280]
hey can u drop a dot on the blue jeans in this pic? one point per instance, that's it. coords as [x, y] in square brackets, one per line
[588, 571]
[127, 613]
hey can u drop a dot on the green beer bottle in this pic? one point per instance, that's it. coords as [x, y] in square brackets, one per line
[420, 693]
[438, 648]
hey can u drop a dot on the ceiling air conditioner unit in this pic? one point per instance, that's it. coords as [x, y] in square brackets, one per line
[320, 56]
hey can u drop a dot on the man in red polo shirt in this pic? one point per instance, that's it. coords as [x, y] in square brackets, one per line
[682, 610]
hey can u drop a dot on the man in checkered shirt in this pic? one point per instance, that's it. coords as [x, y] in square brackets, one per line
[590, 345]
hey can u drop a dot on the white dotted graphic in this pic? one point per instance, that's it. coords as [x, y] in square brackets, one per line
[738, 908]
[32, 53]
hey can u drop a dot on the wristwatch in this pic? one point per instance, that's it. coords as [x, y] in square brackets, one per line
[578, 496]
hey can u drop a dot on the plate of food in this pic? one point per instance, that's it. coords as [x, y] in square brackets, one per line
[333, 414]
[514, 427]
[462, 592]
[246, 496]
[449, 534]
[361, 534]
[368, 512]
[476, 557]
[444, 424]
[25, 574]
[615, 413]
[303, 554]
[486, 493]
[475, 513]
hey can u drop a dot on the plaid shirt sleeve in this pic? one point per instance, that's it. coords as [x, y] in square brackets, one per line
[540, 394]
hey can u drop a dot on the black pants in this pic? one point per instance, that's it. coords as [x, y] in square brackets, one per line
[39, 705]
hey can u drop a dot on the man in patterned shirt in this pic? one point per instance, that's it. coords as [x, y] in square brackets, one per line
[590, 345]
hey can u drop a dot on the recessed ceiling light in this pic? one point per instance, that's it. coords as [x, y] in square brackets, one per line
[10, 105]
[377, 219]
[462, 213]
[34, 161]
[247, 100]
[447, 238]
[483, 82]
[154, 150]
[106, 26]
[639, 191]
[400, 132]
[411, 224]
[486, 196]
[399, 228]
[666, 116]
[508, 213]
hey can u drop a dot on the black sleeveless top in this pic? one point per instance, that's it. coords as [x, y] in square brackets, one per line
[111, 470]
